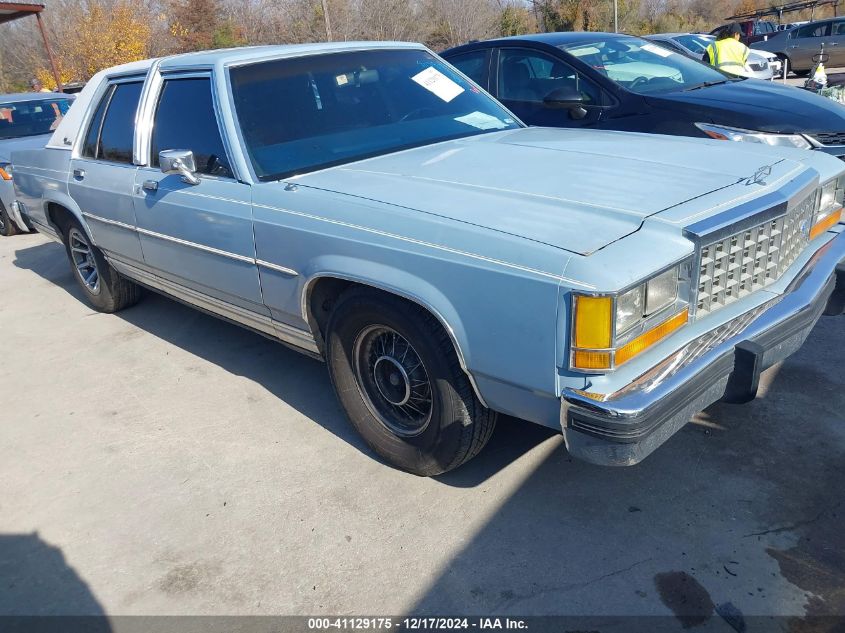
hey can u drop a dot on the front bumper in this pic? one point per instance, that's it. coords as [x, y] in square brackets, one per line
[622, 428]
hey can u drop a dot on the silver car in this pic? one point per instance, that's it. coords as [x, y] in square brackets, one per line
[799, 45]
[26, 122]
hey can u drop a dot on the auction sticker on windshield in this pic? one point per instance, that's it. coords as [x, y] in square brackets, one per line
[436, 82]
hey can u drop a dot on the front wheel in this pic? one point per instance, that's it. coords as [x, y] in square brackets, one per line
[103, 286]
[398, 378]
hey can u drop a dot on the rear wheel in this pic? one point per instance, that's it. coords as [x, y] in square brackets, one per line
[7, 225]
[398, 378]
[103, 286]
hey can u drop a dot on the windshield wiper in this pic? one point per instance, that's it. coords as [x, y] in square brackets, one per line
[706, 84]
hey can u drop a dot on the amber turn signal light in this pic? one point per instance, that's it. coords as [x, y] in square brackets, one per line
[831, 219]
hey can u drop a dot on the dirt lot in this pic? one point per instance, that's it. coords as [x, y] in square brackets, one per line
[160, 461]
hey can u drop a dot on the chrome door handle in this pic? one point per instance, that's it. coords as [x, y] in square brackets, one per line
[150, 185]
[79, 174]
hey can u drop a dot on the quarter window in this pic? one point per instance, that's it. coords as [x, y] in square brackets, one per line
[118, 131]
[89, 149]
[185, 119]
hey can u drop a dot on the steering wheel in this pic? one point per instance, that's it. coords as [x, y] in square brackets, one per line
[416, 113]
[639, 80]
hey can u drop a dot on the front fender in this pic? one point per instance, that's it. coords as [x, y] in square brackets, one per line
[392, 280]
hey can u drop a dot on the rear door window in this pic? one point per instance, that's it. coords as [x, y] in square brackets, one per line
[813, 30]
[118, 132]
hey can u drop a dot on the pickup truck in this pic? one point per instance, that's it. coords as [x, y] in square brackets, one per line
[369, 205]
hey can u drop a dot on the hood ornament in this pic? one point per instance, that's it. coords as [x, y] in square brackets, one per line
[759, 177]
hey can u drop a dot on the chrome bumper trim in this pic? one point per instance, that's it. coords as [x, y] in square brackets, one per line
[17, 218]
[624, 427]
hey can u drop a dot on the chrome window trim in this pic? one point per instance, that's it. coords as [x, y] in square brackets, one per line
[91, 108]
[150, 98]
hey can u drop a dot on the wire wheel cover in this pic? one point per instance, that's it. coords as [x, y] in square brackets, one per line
[392, 380]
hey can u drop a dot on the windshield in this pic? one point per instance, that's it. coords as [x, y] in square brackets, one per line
[302, 114]
[644, 67]
[31, 118]
[695, 43]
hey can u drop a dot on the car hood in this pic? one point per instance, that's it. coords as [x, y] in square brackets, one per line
[766, 106]
[9, 145]
[576, 190]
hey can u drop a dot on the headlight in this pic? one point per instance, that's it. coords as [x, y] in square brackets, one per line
[829, 211]
[5, 171]
[724, 133]
[609, 330]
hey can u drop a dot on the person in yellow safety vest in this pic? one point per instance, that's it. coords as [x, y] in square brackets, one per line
[727, 53]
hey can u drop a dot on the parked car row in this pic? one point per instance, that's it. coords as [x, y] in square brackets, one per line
[622, 82]
[761, 64]
[798, 45]
[449, 263]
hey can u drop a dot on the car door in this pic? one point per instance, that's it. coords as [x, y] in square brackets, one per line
[197, 236]
[805, 42]
[103, 174]
[525, 76]
[835, 43]
[475, 65]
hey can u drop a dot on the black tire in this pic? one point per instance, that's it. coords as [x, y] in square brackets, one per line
[109, 291]
[456, 425]
[7, 225]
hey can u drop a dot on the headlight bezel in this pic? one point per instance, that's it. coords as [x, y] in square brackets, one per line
[736, 134]
[647, 322]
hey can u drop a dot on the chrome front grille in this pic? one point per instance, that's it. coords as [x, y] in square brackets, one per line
[734, 267]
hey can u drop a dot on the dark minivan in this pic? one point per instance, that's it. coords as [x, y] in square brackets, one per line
[621, 82]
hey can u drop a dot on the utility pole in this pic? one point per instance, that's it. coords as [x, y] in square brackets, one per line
[615, 16]
[329, 37]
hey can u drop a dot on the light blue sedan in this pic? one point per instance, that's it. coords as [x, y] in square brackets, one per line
[367, 204]
[27, 120]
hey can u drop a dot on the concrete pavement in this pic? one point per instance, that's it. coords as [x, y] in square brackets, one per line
[160, 461]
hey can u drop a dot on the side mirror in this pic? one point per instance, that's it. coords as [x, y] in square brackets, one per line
[179, 161]
[569, 98]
